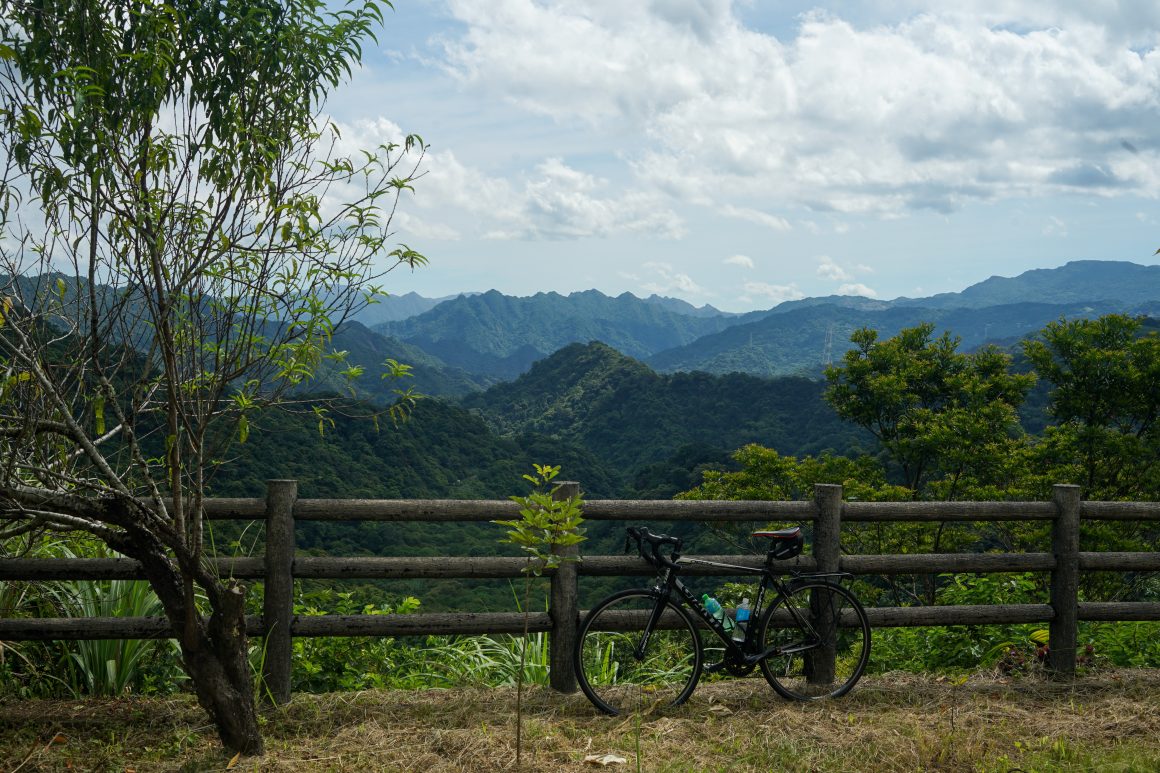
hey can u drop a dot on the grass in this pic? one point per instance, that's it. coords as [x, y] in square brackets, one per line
[897, 722]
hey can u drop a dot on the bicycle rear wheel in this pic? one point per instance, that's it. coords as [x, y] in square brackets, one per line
[823, 641]
[619, 678]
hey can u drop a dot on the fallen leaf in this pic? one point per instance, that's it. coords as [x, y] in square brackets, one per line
[234, 760]
[58, 738]
[720, 709]
[604, 759]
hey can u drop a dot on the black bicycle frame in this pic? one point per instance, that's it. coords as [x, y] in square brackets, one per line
[670, 582]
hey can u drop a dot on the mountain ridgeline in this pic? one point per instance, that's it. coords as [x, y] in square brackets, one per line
[630, 416]
[485, 338]
[501, 336]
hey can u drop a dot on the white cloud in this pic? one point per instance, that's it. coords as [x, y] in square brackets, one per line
[665, 279]
[1055, 227]
[553, 201]
[756, 216]
[744, 261]
[423, 229]
[828, 269]
[929, 110]
[776, 293]
[855, 288]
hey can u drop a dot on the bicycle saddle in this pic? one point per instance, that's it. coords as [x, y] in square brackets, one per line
[789, 533]
[787, 543]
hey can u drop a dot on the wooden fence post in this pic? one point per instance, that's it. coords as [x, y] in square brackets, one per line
[827, 549]
[827, 545]
[278, 599]
[1064, 581]
[564, 610]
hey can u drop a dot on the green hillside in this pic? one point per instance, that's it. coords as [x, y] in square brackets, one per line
[430, 375]
[803, 340]
[1080, 281]
[500, 336]
[629, 416]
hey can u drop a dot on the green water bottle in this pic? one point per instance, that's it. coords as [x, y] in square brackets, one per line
[713, 607]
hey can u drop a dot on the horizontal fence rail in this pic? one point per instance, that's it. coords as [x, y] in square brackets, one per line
[279, 567]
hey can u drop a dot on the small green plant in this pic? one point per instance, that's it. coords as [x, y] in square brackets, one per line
[344, 664]
[548, 524]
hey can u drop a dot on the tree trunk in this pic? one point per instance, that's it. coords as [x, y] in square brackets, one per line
[219, 666]
[214, 652]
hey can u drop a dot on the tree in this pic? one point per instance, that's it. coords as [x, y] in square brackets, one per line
[1106, 397]
[940, 414]
[173, 162]
[767, 475]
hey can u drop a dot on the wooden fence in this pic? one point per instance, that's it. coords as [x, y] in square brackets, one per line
[279, 567]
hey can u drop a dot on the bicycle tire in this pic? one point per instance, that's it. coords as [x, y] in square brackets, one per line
[609, 673]
[820, 623]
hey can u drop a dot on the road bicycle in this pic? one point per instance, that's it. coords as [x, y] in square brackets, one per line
[644, 648]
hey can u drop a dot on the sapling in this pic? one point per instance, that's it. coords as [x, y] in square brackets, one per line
[548, 524]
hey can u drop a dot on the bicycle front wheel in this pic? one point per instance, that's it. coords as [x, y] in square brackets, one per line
[822, 641]
[622, 668]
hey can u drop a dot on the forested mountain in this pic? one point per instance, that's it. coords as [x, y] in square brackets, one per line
[391, 308]
[501, 336]
[368, 349]
[802, 340]
[496, 336]
[469, 342]
[1080, 281]
[442, 451]
[630, 417]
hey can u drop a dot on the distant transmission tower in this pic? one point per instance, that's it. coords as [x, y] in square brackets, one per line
[828, 351]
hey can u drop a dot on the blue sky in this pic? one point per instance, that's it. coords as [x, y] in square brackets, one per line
[746, 153]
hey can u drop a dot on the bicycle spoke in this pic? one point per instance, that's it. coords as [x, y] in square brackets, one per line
[611, 672]
[822, 641]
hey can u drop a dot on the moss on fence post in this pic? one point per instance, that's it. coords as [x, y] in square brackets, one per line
[278, 597]
[1064, 581]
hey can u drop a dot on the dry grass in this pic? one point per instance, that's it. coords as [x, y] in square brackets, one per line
[1107, 722]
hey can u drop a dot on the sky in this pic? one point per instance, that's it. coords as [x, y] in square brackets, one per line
[744, 153]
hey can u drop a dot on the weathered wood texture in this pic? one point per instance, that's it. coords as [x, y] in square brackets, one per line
[1111, 611]
[476, 567]
[683, 510]
[563, 607]
[279, 567]
[948, 511]
[44, 629]
[1120, 511]
[421, 625]
[1064, 581]
[278, 596]
[45, 569]
[899, 617]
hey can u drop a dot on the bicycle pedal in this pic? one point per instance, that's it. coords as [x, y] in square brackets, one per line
[712, 668]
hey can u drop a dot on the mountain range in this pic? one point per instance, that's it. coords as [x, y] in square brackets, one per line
[472, 341]
[467, 343]
[499, 335]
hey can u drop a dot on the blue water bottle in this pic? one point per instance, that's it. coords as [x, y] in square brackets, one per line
[742, 621]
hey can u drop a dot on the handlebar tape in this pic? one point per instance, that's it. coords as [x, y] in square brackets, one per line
[652, 553]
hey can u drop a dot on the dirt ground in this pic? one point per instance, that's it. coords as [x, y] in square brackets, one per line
[1109, 721]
